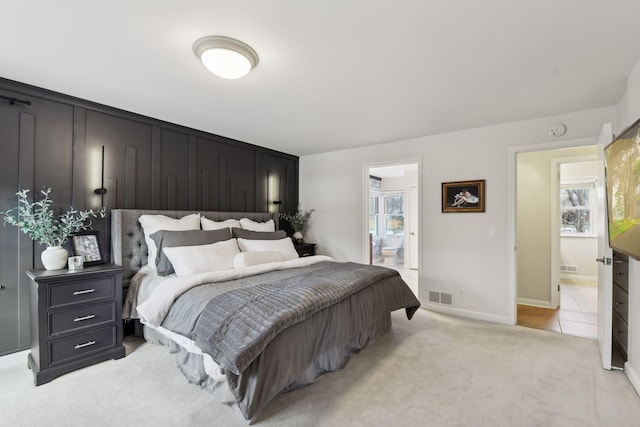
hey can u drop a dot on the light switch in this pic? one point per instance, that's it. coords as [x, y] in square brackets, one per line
[492, 233]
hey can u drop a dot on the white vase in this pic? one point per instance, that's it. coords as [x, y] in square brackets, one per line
[54, 258]
[297, 237]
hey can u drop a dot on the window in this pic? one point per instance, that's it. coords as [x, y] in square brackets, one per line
[576, 207]
[393, 214]
[386, 215]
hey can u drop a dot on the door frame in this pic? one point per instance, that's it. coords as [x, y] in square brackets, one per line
[555, 179]
[605, 271]
[365, 206]
[512, 272]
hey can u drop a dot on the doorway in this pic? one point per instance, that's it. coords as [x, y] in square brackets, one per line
[393, 218]
[557, 275]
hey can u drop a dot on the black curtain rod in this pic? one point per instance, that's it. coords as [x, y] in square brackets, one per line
[13, 101]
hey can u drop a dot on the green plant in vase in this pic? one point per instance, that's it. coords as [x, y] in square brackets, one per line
[38, 220]
[298, 221]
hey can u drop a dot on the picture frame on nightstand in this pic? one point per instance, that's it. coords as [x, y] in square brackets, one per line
[87, 244]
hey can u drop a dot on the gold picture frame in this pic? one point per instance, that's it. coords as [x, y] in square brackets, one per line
[463, 196]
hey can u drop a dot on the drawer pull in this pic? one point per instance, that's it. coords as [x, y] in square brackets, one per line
[619, 303]
[80, 319]
[86, 291]
[87, 344]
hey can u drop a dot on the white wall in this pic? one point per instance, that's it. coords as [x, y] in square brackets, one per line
[628, 111]
[533, 233]
[457, 253]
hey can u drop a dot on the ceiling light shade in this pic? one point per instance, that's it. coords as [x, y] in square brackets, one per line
[225, 57]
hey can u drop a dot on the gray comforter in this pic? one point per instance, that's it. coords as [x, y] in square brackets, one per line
[281, 329]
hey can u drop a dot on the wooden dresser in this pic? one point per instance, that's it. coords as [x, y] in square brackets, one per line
[620, 307]
[76, 319]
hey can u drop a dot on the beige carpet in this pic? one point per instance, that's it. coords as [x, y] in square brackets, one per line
[435, 370]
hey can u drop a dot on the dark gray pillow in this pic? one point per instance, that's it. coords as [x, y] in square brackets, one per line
[171, 239]
[240, 233]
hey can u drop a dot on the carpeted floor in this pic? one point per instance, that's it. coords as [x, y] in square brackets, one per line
[434, 370]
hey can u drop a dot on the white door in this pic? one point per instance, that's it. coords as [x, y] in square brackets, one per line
[413, 228]
[605, 255]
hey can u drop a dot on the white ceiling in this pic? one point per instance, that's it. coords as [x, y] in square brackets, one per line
[333, 74]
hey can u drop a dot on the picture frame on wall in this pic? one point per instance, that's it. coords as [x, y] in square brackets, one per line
[463, 196]
[87, 245]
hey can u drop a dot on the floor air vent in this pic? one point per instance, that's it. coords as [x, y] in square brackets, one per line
[434, 296]
[441, 298]
[568, 268]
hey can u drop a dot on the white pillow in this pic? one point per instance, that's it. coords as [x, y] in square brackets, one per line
[208, 224]
[247, 259]
[152, 223]
[247, 224]
[284, 246]
[198, 259]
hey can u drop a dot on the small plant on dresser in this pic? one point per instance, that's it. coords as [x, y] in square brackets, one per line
[37, 220]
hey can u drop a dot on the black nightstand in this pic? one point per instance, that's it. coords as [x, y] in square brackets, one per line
[305, 249]
[76, 319]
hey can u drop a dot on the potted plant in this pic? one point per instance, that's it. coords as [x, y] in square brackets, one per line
[37, 220]
[298, 222]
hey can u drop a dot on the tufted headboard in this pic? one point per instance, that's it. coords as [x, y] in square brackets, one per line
[128, 247]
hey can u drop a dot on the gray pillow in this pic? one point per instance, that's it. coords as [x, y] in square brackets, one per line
[240, 233]
[171, 239]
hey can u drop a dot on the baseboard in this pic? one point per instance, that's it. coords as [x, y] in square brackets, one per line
[633, 376]
[579, 278]
[467, 313]
[534, 302]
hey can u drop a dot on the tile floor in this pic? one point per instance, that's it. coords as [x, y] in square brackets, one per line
[577, 314]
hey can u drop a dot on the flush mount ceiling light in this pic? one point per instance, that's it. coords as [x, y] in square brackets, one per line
[225, 57]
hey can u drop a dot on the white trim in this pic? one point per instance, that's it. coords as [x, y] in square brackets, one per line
[554, 191]
[581, 277]
[512, 273]
[365, 206]
[534, 302]
[466, 313]
[556, 209]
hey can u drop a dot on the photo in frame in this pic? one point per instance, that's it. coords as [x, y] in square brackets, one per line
[87, 245]
[463, 196]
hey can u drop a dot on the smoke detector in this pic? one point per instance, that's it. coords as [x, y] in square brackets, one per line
[557, 130]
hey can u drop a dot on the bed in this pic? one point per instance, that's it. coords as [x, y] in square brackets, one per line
[270, 323]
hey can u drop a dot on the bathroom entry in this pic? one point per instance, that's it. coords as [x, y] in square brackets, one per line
[393, 219]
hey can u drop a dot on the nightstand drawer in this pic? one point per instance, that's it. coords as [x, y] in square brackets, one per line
[63, 321]
[82, 290]
[67, 349]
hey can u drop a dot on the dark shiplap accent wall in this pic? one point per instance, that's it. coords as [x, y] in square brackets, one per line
[149, 164]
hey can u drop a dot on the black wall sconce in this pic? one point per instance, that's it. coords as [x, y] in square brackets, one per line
[273, 192]
[101, 191]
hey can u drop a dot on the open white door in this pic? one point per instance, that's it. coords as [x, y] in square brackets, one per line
[605, 255]
[413, 228]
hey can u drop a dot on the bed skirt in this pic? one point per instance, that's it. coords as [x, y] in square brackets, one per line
[199, 369]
